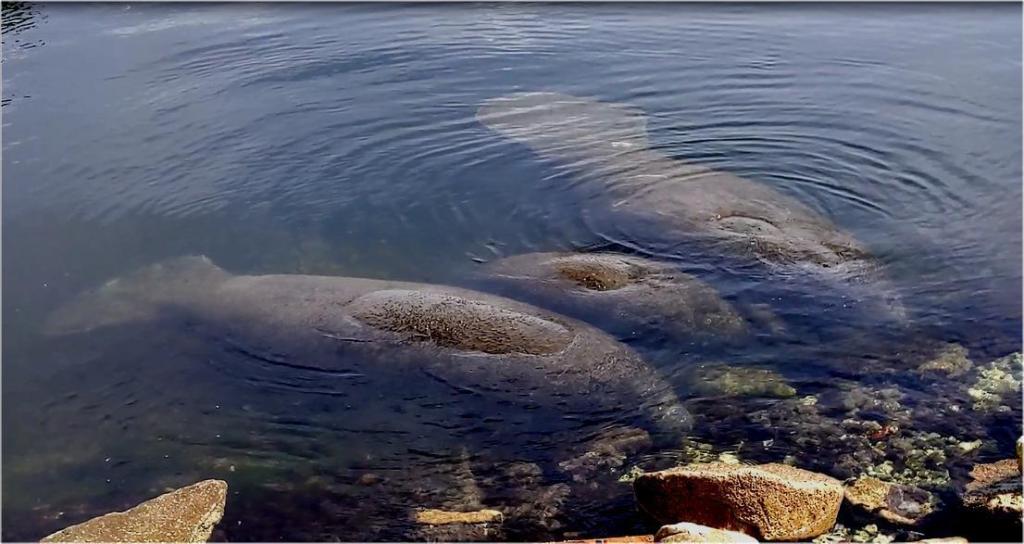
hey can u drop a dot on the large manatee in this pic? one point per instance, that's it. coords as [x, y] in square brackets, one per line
[637, 196]
[627, 294]
[492, 345]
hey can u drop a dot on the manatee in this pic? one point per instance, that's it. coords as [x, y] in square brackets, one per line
[637, 196]
[487, 344]
[626, 294]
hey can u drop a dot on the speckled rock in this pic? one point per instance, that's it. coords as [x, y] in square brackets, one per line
[632, 539]
[995, 492]
[739, 381]
[444, 517]
[951, 360]
[995, 383]
[944, 540]
[895, 503]
[450, 526]
[692, 532]
[185, 515]
[769, 502]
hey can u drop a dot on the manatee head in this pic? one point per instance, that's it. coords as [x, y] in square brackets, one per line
[136, 296]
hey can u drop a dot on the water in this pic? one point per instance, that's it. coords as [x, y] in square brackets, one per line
[341, 139]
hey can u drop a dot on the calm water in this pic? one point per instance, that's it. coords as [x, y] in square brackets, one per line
[341, 139]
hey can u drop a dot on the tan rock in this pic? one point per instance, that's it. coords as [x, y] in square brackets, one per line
[444, 517]
[691, 532]
[895, 503]
[632, 539]
[769, 502]
[185, 515]
[995, 490]
[944, 540]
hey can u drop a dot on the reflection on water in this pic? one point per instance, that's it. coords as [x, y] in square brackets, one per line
[342, 140]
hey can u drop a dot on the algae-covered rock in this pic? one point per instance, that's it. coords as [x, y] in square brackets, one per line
[692, 532]
[184, 515]
[952, 360]
[721, 379]
[606, 452]
[895, 503]
[995, 382]
[770, 502]
[867, 534]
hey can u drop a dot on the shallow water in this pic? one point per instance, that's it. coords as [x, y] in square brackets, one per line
[341, 140]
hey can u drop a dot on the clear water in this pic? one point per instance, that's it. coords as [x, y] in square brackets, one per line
[341, 139]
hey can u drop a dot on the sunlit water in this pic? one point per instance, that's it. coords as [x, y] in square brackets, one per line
[341, 140]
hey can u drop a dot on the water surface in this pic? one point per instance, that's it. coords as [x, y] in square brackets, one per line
[341, 139]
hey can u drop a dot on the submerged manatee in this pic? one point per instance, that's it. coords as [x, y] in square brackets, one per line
[639, 197]
[623, 293]
[492, 345]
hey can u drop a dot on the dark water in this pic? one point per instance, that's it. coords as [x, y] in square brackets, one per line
[341, 139]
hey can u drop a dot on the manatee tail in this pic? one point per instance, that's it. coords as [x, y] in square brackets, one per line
[564, 127]
[137, 296]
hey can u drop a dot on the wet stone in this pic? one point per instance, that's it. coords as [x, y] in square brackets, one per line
[952, 361]
[692, 532]
[722, 379]
[770, 502]
[184, 515]
[894, 503]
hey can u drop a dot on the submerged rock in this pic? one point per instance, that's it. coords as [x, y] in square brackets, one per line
[895, 503]
[624, 292]
[951, 360]
[995, 382]
[692, 532]
[607, 452]
[770, 502]
[444, 517]
[184, 515]
[722, 379]
[447, 526]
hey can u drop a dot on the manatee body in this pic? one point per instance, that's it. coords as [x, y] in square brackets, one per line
[626, 294]
[639, 197]
[492, 345]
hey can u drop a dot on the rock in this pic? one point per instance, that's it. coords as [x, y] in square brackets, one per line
[633, 539]
[995, 382]
[944, 540]
[722, 379]
[995, 491]
[606, 453]
[951, 360]
[691, 532]
[448, 526]
[184, 515]
[895, 503]
[443, 517]
[769, 502]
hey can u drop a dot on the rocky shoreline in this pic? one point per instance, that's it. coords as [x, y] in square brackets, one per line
[698, 502]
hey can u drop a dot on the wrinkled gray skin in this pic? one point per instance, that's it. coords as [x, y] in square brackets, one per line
[492, 345]
[639, 197]
[624, 293]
